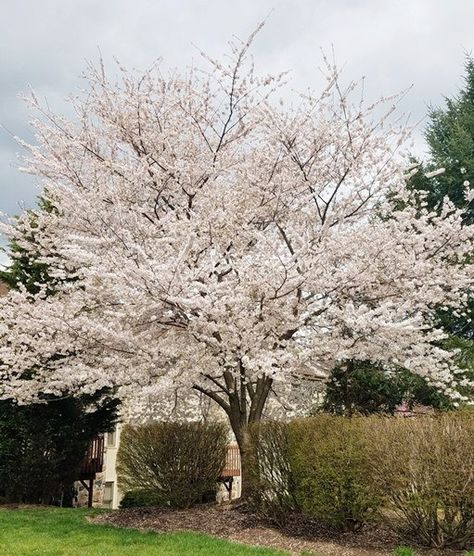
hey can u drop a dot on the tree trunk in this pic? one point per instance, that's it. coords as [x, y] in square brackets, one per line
[245, 447]
[244, 402]
[349, 409]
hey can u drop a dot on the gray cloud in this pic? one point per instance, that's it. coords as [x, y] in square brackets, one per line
[393, 43]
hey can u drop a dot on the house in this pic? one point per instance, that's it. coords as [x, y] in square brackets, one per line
[98, 484]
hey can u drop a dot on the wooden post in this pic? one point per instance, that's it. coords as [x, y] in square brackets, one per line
[90, 490]
[91, 493]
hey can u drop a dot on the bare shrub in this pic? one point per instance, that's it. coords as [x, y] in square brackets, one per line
[425, 469]
[273, 487]
[174, 464]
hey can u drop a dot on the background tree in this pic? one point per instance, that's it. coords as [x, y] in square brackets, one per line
[225, 242]
[450, 139]
[366, 388]
[42, 445]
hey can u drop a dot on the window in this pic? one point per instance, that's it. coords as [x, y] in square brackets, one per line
[111, 438]
[108, 494]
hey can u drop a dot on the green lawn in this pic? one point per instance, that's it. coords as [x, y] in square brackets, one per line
[57, 532]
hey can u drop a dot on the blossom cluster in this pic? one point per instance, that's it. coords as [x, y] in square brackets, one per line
[200, 225]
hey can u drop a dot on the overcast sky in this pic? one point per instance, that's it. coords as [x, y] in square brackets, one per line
[394, 43]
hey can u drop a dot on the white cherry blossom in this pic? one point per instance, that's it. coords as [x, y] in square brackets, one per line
[224, 242]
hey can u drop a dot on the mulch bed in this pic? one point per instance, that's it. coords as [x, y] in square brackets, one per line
[231, 522]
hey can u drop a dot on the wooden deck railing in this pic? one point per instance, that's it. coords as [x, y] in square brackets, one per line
[94, 459]
[232, 464]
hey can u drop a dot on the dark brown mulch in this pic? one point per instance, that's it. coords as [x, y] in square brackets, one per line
[230, 522]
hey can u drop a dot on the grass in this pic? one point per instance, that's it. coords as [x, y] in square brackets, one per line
[58, 532]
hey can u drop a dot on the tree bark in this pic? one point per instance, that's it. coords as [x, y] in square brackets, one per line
[244, 403]
[245, 448]
[349, 410]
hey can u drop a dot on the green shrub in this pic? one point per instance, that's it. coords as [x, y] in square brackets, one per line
[424, 468]
[141, 498]
[418, 472]
[172, 464]
[330, 461]
[273, 487]
[366, 388]
[403, 551]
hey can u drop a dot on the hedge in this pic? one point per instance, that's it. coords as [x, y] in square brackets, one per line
[273, 487]
[417, 474]
[170, 464]
[424, 468]
[331, 462]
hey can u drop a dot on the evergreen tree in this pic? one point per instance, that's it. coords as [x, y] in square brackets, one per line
[366, 388]
[43, 445]
[450, 139]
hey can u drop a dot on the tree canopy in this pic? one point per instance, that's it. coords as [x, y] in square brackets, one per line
[450, 139]
[225, 241]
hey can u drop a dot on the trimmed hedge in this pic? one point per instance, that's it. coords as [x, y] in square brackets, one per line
[331, 462]
[318, 466]
[416, 473]
[424, 468]
[273, 493]
[170, 464]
